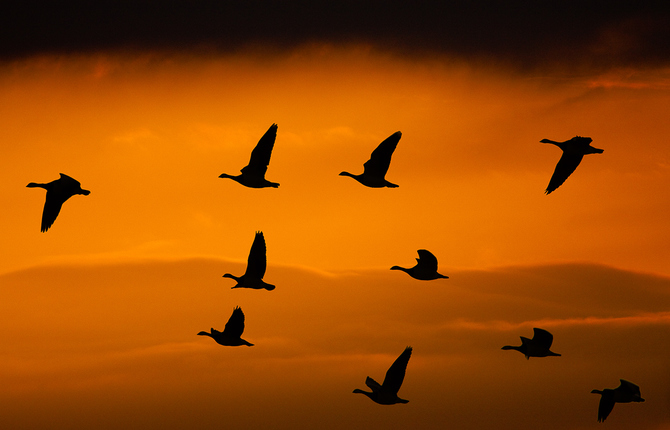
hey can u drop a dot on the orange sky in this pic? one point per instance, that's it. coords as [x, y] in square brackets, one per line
[101, 312]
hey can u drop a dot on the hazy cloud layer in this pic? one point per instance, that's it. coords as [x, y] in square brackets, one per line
[111, 345]
[523, 34]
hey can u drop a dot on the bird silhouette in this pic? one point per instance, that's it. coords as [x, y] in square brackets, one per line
[253, 174]
[573, 152]
[256, 265]
[374, 170]
[425, 269]
[387, 392]
[58, 192]
[538, 346]
[231, 334]
[626, 392]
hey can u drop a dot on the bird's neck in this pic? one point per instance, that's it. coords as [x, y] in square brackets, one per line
[351, 175]
[370, 394]
[228, 275]
[234, 178]
[36, 185]
[516, 348]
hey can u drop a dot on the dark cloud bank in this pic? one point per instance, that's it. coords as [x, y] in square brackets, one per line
[521, 34]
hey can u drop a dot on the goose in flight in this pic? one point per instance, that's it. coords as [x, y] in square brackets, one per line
[387, 392]
[425, 269]
[538, 346]
[626, 392]
[253, 174]
[231, 334]
[573, 152]
[256, 265]
[58, 192]
[376, 167]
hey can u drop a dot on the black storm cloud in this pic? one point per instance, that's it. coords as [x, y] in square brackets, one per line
[524, 35]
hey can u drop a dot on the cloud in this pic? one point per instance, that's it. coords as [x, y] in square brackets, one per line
[526, 35]
[356, 310]
[118, 341]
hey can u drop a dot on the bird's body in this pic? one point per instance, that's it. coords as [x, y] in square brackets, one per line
[58, 192]
[538, 346]
[425, 269]
[374, 170]
[253, 174]
[231, 334]
[387, 392]
[626, 392]
[256, 265]
[573, 152]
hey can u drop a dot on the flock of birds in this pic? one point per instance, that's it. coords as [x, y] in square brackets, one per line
[374, 173]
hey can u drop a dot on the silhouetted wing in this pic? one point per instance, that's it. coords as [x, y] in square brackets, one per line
[235, 325]
[257, 262]
[396, 373]
[524, 340]
[427, 260]
[260, 156]
[380, 160]
[542, 338]
[52, 205]
[566, 165]
[605, 406]
[629, 387]
[69, 181]
[372, 384]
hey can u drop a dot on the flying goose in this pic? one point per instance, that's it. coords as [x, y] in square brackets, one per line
[573, 152]
[387, 392]
[376, 167]
[626, 392]
[538, 346]
[256, 265]
[425, 269]
[231, 334]
[58, 192]
[253, 174]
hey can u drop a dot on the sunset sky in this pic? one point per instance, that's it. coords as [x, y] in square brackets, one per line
[147, 104]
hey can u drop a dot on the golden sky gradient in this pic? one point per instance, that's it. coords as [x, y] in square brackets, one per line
[100, 314]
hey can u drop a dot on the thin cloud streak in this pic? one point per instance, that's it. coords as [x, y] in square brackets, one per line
[646, 319]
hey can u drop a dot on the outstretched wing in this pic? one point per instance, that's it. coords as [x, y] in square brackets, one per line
[69, 181]
[630, 388]
[396, 373]
[380, 160]
[372, 384]
[605, 406]
[427, 260]
[52, 205]
[542, 338]
[260, 156]
[235, 325]
[566, 165]
[257, 262]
